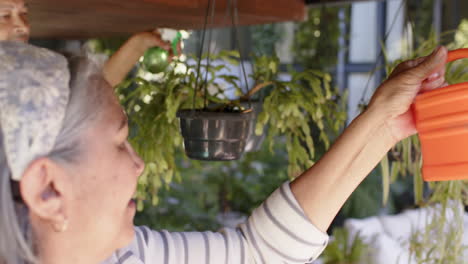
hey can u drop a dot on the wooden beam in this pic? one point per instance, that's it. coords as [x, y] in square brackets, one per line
[333, 2]
[100, 18]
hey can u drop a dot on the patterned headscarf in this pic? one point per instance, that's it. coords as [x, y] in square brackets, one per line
[34, 91]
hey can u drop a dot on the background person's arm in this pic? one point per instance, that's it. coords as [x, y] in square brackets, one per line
[121, 63]
[322, 190]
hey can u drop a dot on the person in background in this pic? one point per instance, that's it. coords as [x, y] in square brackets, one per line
[14, 26]
[14, 23]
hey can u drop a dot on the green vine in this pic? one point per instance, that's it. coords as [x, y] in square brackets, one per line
[292, 106]
[344, 249]
[293, 110]
[152, 107]
[316, 39]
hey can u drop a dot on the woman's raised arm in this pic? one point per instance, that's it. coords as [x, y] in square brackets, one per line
[322, 190]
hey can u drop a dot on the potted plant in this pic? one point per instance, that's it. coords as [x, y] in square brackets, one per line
[297, 112]
[219, 131]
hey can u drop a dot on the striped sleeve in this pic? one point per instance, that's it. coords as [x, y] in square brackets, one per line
[276, 232]
[280, 232]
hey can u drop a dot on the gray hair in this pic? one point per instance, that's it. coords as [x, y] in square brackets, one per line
[87, 94]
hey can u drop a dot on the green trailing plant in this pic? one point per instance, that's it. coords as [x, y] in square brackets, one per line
[344, 249]
[298, 108]
[445, 198]
[440, 240]
[264, 38]
[420, 17]
[152, 106]
[289, 110]
[316, 39]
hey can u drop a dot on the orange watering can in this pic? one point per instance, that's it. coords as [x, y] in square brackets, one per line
[441, 118]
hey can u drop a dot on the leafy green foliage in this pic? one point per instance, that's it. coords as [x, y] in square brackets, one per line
[420, 16]
[152, 108]
[292, 106]
[264, 38]
[316, 39]
[288, 110]
[345, 249]
[441, 240]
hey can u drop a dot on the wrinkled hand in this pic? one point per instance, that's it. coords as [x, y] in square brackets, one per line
[394, 97]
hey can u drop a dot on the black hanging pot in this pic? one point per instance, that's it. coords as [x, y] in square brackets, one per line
[215, 136]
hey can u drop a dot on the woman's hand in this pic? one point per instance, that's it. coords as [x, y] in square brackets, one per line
[120, 64]
[394, 97]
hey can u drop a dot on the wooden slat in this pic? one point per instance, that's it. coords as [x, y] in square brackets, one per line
[99, 18]
[332, 2]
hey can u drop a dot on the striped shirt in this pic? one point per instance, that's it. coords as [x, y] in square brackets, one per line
[277, 232]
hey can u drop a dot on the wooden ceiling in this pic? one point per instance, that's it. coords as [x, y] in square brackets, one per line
[331, 2]
[101, 18]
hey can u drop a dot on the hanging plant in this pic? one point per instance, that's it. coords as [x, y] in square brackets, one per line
[295, 111]
[316, 39]
[304, 106]
[152, 102]
[219, 132]
[152, 107]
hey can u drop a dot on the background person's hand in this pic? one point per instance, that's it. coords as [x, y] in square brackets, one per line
[152, 39]
[148, 40]
[394, 97]
[121, 63]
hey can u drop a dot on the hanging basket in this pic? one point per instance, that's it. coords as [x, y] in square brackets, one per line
[441, 118]
[215, 136]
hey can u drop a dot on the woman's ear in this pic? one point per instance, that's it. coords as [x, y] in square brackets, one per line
[42, 187]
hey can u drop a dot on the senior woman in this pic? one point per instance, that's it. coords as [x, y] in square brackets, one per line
[14, 26]
[68, 173]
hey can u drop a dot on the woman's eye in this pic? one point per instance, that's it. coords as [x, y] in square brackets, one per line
[5, 16]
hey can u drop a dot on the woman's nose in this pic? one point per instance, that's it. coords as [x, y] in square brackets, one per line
[139, 163]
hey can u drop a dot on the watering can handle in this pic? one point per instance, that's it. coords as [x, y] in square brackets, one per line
[454, 55]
